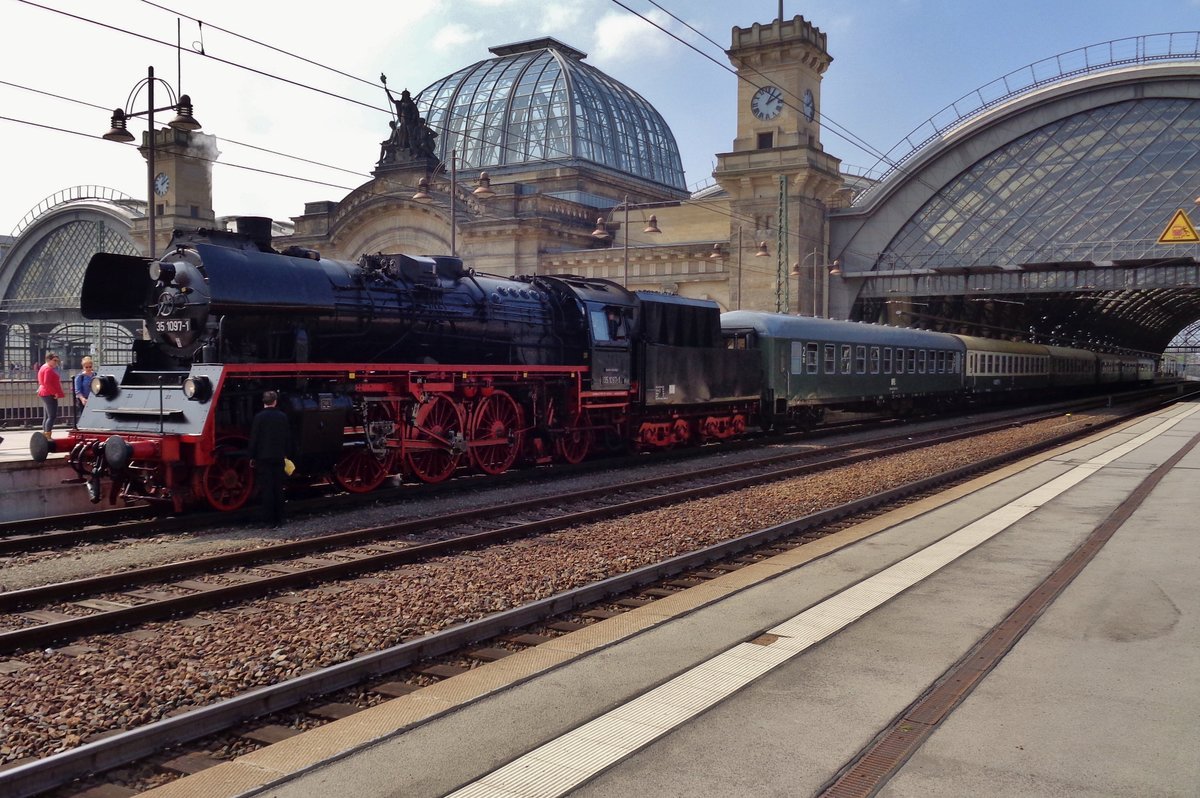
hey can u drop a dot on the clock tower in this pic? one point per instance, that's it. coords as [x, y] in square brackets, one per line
[182, 183]
[778, 177]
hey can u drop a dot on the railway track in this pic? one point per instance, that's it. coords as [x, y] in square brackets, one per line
[158, 593]
[34, 778]
[54, 532]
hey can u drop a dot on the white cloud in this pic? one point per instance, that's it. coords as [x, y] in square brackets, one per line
[624, 37]
[453, 36]
[555, 19]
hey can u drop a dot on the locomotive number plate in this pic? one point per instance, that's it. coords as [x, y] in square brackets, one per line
[172, 325]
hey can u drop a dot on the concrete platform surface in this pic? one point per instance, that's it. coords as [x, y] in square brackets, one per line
[771, 679]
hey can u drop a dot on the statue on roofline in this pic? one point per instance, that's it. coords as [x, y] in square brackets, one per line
[410, 136]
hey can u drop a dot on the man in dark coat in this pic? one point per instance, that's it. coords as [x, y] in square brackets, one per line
[270, 443]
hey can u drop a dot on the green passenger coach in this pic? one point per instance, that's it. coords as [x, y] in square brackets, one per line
[811, 365]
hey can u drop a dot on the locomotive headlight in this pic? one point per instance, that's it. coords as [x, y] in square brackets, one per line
[104, 385]
[198, 389]
[161, 271]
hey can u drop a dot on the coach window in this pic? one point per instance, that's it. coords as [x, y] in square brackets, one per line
[874, 360]
[887, 360]
[830, 359]
[796, 366]
[811, 351]
[847, 358]
[922, 356]
[912, 361]
[860, 360]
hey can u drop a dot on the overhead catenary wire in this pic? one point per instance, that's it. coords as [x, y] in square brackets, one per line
[821, 118]
[296, 83]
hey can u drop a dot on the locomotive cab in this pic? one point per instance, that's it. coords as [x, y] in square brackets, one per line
[607, 316]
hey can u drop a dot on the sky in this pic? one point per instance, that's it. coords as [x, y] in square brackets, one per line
[292, 90]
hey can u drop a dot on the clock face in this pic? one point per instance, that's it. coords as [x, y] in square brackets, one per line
[810, 105]
[162, 184]
[767, 102]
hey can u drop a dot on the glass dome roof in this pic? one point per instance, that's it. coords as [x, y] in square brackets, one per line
[537, 102]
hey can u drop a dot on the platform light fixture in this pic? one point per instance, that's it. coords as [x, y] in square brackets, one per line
[483, 190]
[118, 131]
[601, 233]
[761, 252]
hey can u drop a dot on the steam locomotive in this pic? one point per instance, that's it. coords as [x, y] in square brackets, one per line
[391, 365]
[419, 368]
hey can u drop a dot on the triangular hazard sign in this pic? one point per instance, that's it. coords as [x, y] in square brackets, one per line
[1179, 231]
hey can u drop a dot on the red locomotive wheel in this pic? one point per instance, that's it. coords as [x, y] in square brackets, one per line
[363, 467]
[497, 433]
[576, 441]
[228, 483]
[434, 443]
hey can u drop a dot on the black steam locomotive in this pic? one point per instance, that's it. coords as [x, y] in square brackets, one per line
[392, 366]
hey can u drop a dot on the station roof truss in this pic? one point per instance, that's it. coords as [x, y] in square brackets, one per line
[1115, 306]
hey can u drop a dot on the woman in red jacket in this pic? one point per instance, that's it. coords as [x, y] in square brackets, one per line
[50, 389]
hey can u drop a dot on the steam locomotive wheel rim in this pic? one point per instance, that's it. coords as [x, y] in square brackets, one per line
[497, 427]
[360, 470]
[430, 452]
[228, 482]
[575, 443]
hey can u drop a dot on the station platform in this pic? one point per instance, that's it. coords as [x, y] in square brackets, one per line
[14, 445]
[777, 677]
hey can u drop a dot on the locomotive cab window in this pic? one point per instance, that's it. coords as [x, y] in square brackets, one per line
[609, 324]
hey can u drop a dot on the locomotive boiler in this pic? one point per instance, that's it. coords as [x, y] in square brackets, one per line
[391, 366]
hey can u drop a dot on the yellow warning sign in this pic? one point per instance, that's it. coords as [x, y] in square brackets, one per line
[1179, 231]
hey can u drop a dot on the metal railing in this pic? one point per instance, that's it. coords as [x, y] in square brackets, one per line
[71, 195]
[20, 407]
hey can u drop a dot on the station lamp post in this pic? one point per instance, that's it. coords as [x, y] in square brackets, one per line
[601, 233]
[483, 190]
[820, 276]
[182, 106]
[761, 252]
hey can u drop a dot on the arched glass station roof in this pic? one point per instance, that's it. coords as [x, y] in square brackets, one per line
[1039, 212]
[538, 102]
[1085, 188]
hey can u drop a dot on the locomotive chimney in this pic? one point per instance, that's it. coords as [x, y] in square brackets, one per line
[258, 229]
